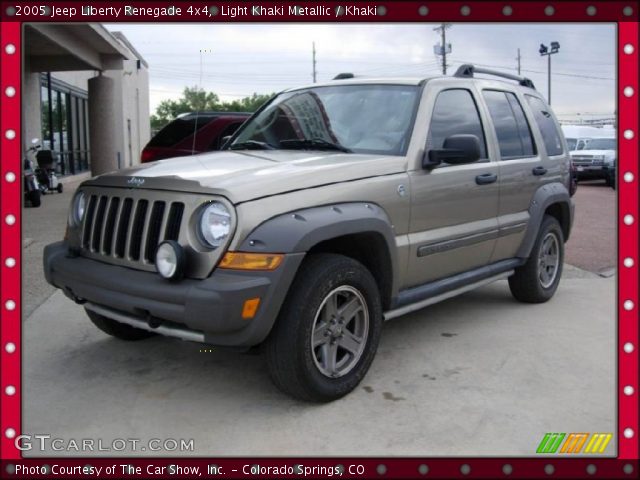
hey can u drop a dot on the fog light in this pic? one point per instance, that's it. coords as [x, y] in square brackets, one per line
[170, 260]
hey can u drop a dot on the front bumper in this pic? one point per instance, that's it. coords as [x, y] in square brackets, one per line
[591, 171]
[210, 308]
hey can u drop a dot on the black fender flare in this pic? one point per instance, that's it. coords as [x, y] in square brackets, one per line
[546, 195]
[298, 231]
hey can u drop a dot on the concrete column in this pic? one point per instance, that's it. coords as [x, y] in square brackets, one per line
[31, 118]
[104, 125]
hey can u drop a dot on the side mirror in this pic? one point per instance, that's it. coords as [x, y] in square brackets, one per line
[34, 141]
[456, 150]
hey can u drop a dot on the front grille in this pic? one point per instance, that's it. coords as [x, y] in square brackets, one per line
[129, 228]
[582, 160]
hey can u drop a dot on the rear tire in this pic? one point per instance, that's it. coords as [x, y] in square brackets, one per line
[537, 280]
[34, 198]
[328, 330]
[117, 329]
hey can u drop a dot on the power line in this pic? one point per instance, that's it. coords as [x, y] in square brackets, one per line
[564, 74]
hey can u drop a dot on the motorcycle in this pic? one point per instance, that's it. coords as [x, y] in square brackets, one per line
[45, 172]
[31, 187]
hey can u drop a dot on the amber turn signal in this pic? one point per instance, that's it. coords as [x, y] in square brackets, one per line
[250, 308]
[251, 261]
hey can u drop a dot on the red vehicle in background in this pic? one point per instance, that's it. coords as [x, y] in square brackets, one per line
[177, 138]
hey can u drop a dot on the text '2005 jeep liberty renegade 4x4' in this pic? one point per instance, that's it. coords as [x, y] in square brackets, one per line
[333, 208]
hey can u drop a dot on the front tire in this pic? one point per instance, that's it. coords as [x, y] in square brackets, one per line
[117, 329]
[60, 188]
[328, 330]
[537, 280]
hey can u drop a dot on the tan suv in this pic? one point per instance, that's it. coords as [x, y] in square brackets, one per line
[334, 208]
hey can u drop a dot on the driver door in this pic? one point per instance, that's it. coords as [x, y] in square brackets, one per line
[453, 222]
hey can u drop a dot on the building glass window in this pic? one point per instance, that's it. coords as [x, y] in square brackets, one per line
[65, 125]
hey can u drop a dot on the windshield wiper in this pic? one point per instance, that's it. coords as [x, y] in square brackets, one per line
[251, 145]
[313, 143]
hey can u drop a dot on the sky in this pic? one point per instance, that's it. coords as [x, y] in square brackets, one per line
[240, 59]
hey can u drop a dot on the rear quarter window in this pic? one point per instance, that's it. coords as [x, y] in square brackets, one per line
[547, 125]
[512, 129]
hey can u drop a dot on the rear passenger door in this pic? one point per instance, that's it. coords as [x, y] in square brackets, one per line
[520, 166]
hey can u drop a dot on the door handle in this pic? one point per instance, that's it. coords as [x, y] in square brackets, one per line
[486, 178]
[537, 171]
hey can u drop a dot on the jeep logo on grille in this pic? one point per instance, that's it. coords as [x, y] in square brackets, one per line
[135, 181]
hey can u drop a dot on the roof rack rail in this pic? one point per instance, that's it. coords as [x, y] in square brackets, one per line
[467, 70]
[344, 76]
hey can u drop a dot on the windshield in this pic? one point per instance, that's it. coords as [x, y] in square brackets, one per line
[602, 144]
[375, 119]
[571, 143]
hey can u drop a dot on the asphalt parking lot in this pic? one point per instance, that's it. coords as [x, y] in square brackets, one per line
[446, 380]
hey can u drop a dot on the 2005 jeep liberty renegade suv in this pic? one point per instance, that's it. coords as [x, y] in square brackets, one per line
[333, 208]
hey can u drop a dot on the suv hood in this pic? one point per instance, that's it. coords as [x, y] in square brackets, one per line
[246, 175]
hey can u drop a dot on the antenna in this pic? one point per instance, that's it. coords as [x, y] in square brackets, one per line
[314, 61]
[195, 125]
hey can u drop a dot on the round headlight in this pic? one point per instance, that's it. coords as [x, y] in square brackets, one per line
[170, 259]
[215, 224]
[78, 208]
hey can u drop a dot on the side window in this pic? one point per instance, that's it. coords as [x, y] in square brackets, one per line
[512, 129]
[547, 126]
[455, 112]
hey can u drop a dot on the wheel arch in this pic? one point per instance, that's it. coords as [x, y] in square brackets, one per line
[362, 231]
[550, 199]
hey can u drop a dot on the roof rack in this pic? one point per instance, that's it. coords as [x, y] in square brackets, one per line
[467, 71]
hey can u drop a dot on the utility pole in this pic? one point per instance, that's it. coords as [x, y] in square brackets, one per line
[444, 48]
[518, 58]
[546, 51]
[314, 62]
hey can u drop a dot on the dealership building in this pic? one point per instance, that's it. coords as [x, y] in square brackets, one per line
[85, 95]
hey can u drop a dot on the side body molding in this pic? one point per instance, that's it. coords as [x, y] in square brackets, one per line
[300, 230]
[545, 196]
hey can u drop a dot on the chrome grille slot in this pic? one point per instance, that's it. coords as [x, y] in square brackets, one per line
[153, 235]
[173, 223]
[123, 227]
[109, 229]
[98, 222]
[91, 208]
[137, 229]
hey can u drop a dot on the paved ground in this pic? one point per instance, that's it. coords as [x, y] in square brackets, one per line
[446, 380]
[41, 226]
[592, 245]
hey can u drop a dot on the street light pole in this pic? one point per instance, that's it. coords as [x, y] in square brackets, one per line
[549, 78]
[548, 51]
